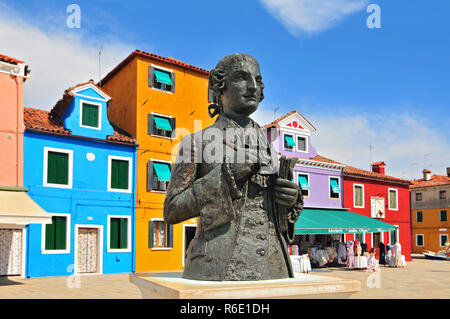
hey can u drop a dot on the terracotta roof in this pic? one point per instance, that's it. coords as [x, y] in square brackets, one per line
[358, 172]
[435, 180]
[140, 53]
[64, 102]
[41, 120]
[275, 123]
[8, 59]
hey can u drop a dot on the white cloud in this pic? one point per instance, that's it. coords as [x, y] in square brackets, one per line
[58, 59]
[312, 15]
[401, 141]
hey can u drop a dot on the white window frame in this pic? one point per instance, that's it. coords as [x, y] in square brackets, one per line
[69, 171]
[389, 198]
[329, 187]
[165, 235]
[108, 234]
[306, 143]
[293, 138]
[130, 173]
[99, 124]
[423, 240]
[165, 70]
[440, 239]
[354, 195]
[43, 233]
[397, 235]
[309, 183]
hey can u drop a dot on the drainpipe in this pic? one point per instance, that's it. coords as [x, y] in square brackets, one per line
[17, 130]
[133, 214]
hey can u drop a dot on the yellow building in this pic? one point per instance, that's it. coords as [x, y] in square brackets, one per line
[430, 205]
[151, 96]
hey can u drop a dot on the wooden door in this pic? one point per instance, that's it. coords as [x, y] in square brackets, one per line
[10, 252]
[87, 250]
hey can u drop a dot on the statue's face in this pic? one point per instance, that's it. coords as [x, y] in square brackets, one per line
[243, 88]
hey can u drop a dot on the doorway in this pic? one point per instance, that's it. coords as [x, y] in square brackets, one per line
[88, 250]
[11, 252]
[188, 235]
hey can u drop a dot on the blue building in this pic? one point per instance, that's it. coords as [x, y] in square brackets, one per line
[81, 169]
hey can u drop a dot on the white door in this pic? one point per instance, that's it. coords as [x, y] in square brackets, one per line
[10, 252]
[87, 250]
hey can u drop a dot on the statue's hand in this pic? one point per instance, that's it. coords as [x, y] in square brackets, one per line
[286, 192]
[242, 171]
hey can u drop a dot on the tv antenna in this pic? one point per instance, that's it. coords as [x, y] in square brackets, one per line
[275, 113]
[99, 65]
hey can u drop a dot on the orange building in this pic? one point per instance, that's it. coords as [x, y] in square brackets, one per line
[151, 96]
[430, 205]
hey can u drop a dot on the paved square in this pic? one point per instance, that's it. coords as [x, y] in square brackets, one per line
[420, 279]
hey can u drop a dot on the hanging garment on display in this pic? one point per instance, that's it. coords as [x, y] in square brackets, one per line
[382, 253]
[358, 249]
[350, 254]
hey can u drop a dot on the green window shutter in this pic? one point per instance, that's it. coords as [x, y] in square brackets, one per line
[392, 199]
[162, 123]
[419, 216]
[123, 242]
[57, 168]
[173, 83]
[289, 140]
[60, 233]
[50, 235]
[162, 171]
[334, 186]
[151, 231]
[358, 196]
[90, 115]
[303, 181]
[163, 77]
[443, 215]
[114, 225]
[119, 174]
[169, 235]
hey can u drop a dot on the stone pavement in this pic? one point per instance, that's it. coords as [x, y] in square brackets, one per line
[420, 279]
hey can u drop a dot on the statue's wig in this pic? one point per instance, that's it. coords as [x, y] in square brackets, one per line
[218, 75]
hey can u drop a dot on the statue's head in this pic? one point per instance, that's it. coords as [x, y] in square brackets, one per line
[237, 84]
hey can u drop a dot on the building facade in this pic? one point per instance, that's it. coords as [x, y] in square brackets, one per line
[158, 100]
[430, 206]
[377, 195]
[81, 168]
[17, 209]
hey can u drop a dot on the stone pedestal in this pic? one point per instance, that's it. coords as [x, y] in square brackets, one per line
[172, 286]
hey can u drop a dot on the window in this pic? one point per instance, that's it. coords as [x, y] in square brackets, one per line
[161, 79]
[119, 233]
[419, 240]
[443, 215]
[288, 141]
[90, 115]
[119, 174]
[393, 200]
[160, 235]
[358, 195]
[442, 194]
[302, 145]
[158, 175]
[334, 188]
[160, 125]
[303, 181]
[443, 239]
[55, 237]
[419, 217]
[418, 197]
[393, 237]
[57, 167]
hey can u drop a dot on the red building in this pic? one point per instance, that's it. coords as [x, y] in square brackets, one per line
[377, 195]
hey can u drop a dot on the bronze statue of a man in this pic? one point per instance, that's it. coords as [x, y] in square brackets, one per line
[240, 204]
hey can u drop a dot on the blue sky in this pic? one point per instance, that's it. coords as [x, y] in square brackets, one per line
[388, 87]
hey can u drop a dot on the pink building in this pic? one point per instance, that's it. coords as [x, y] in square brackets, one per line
[17, 209]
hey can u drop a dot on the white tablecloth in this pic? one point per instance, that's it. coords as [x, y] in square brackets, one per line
[390, 261]
[301, 263]
[360, 262]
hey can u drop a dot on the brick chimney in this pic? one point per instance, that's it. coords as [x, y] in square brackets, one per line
[426, 174]
[378, 167]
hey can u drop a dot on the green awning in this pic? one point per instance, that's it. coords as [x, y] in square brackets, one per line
[329, 221]
[162, 171]
[289, 140]
[303, 182]
[162, 123]
[163, 77]
[334, 186]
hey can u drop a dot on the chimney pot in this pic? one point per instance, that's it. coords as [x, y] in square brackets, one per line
[426, 174]
[448, 171]
[378, 167]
